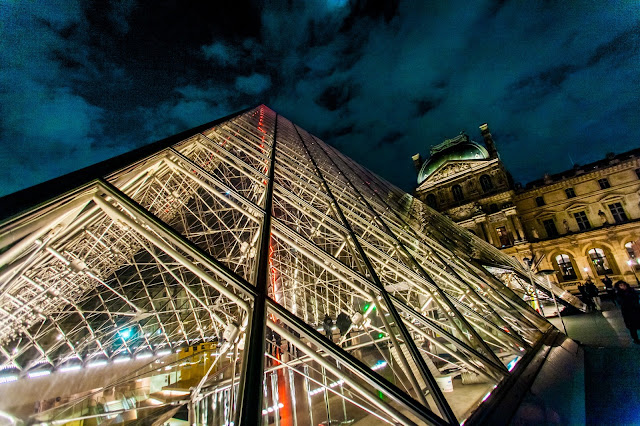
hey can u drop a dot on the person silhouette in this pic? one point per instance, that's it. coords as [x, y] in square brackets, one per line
[628, 300]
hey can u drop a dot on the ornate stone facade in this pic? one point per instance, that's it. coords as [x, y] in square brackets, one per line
[582, 223]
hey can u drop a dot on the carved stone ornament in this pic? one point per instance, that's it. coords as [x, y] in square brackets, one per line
[449, 170]
[497, 217]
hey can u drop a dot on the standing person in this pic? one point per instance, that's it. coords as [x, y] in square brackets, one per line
[585, 296]
[327, 324]
[608, 286]
[593, 293]
[628, 300]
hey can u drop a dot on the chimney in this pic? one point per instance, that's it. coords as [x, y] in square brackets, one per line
[417, 162]
[488, 140]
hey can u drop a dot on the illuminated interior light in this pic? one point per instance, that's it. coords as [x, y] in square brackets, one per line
[40, 373]
[169, 392]
[70, 368]
[164, 352]
[121, 359]
[8, 378]
[144, 355]
[97, 364]
[379, 365]
[271, 409]
[511, 365]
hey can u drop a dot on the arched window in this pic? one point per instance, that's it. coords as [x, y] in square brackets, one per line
[633, 258]
[431, 201]
[485, 183]
[600, 261]
[566, 267]
[456, 190]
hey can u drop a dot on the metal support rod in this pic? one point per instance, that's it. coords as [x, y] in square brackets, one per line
[116, 214]
[422, 272]
[363, 371]
[373, 399]
[249, 395]
[440, 400]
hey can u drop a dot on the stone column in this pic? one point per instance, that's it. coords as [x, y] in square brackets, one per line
[511, 229]
[487, 232]
[518, 224]
[480, 231]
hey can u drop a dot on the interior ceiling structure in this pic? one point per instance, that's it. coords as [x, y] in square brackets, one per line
[250, 234]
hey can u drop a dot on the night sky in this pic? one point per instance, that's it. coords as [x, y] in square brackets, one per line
[82, 81]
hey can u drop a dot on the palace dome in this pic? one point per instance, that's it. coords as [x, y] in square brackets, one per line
[456, 149]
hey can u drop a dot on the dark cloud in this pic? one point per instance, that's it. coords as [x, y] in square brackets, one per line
[390, 138]
[336, 96]
[423, 106]
[83, 81]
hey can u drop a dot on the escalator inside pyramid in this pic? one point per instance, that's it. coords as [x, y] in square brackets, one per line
[246, 272]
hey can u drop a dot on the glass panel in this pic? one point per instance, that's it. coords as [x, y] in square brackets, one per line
[305, 383]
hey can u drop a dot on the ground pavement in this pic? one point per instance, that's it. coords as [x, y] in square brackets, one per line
[612, 365]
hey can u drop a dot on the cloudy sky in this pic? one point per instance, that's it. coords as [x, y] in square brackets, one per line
[82, 81]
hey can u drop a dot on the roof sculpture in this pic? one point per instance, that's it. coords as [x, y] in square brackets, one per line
[254, 236]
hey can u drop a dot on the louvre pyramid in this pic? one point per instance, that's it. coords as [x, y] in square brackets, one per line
[325, 293]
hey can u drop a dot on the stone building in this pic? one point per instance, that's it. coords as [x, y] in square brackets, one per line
[582, 223]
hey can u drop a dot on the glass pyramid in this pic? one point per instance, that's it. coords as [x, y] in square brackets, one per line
[245, 272]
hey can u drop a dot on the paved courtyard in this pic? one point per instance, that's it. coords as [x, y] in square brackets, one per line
[612, 366]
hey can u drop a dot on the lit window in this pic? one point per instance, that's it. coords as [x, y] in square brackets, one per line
[582, 220]
[539, 201]
[630, 251]
[566, 267]
[600, 261]
[618, 212]
[604, 183]
[633, 258]
[456, 190]
[570, 192]
[485, 182]
[503, 236]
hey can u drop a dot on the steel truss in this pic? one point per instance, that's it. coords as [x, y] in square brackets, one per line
[250, 234]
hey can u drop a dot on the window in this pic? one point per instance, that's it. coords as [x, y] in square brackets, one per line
[604, 183]
[493, 208]
[633, 258]
[600, 261]
[503, 236]
[638, 173]
[566, 267]
[540, 201]
[550, 227]
[618, 212]
[485, 182]
[582, 220]
[570, 192]
[431, 201]
[456, 190]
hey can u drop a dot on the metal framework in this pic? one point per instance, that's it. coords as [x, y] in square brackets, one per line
[252, 234]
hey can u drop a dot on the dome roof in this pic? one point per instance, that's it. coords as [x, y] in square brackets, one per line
[459, 148]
